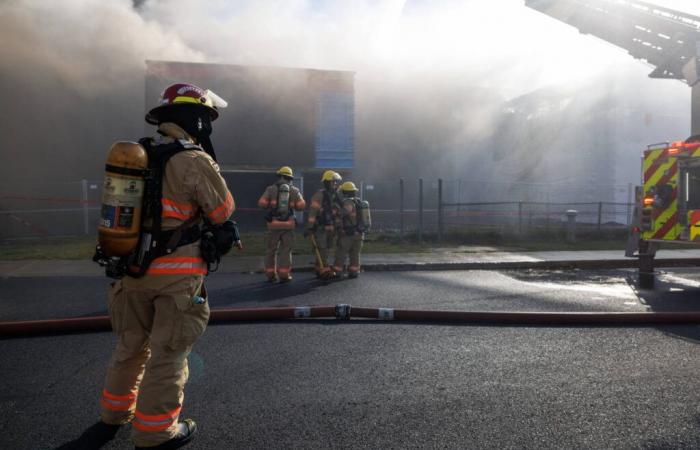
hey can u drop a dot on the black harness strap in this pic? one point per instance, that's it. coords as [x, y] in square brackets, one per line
[155, 242]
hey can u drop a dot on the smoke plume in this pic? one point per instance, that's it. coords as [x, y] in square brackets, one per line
[434, 80]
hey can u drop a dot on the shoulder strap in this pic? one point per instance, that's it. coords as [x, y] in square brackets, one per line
[154, 244]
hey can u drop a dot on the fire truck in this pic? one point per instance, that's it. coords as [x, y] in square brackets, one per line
[667, 205]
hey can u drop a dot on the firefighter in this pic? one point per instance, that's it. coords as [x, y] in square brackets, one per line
[280, 200]
[352, 223]
[159, 314]
[321, 222]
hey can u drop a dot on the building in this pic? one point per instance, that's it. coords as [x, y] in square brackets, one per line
[303, 118]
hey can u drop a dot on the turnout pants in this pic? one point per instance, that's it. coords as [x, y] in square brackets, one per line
[278, 255]
[156, 322]
[324, 240]
[348, 247]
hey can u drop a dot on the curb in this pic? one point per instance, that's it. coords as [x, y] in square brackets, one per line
[514, 265]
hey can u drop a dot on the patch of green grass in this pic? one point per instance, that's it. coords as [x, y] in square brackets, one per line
[83, 247]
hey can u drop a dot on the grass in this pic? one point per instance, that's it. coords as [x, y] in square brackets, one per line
[473, 240]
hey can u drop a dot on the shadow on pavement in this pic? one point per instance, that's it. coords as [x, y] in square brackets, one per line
[671, 293]
[94, 437]
[262, 291]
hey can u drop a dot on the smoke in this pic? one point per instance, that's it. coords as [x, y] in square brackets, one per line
[73, 76]
[433, 79]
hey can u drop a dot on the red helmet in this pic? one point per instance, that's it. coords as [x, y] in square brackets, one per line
[186, 94]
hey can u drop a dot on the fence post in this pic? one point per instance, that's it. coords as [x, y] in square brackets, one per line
[600, 214]
[420, 209]
[401, 207]
[86, 211]
[440, 209]
[520, 217]
[571, 225]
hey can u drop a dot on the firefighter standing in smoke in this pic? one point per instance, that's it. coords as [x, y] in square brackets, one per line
[280, 200]
[158, 313]
[322, 217]
[352, 223]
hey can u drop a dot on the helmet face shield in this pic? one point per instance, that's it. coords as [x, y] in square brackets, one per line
[216, 101]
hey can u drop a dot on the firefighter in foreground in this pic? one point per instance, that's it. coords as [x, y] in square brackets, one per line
[352, 223]
[280, 200]
[158, 305]
[320, 226]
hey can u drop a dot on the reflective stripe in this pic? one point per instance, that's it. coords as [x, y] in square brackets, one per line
[269, 270]
[170, 265]
[325, 269]
[155, 422]
[177, 210]
[223, 211]
[312, 219]
[283, 270]
[337, 268]
[315, 204]
[300, 204]
[354, 269]
[263, 202]
[117, 402]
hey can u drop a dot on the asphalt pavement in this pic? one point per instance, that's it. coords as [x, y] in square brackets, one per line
[322, 384]
[453, 258]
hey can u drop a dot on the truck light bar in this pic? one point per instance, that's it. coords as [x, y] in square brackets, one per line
[648, 200]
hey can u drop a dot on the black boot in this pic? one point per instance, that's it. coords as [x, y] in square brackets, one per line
[185, 432]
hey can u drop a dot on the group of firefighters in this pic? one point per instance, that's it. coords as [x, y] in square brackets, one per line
[336, 216]
[164, 221]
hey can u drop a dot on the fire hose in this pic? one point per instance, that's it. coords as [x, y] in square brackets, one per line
[346, 312]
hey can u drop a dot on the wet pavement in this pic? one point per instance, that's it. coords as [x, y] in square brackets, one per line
[364, 384]
[464, 258]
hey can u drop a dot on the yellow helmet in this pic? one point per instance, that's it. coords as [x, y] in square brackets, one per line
[286, 171]
[330, 175]
[348, 186]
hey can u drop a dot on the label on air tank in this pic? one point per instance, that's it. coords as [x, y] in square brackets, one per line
[117, 216]
[120, 198]
[122, 191]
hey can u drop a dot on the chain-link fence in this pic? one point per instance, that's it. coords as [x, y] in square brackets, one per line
[401, 206]
[58, 209]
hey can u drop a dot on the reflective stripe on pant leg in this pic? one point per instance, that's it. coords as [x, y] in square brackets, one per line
[115, 402]
[131, 315]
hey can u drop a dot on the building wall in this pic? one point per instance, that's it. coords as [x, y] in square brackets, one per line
[276, 116]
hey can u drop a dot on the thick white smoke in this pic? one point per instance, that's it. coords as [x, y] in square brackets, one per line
[431, 76]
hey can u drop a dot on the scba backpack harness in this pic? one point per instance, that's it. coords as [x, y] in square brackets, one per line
[281, 211]
[153, 242]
